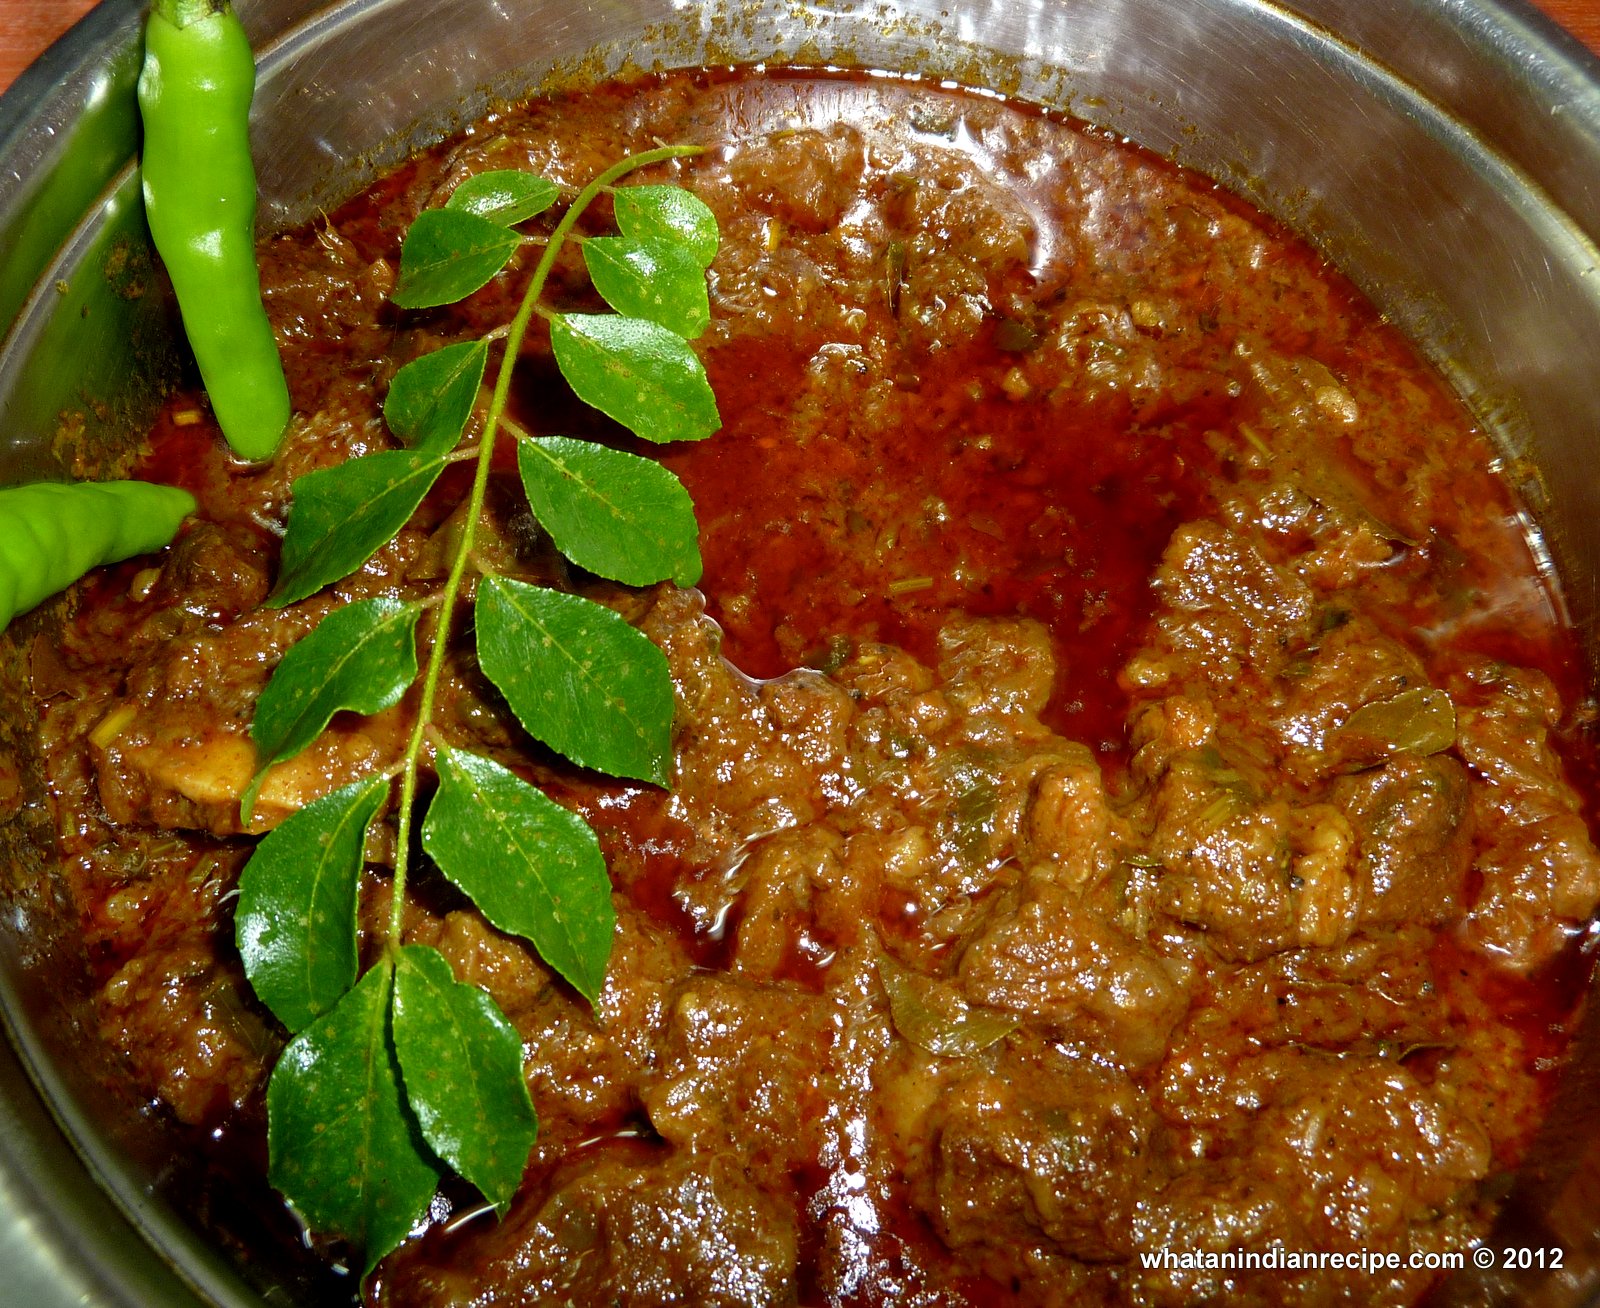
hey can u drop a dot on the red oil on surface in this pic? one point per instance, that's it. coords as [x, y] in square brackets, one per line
[977, 504]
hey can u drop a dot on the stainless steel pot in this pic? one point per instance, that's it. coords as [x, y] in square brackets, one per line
[1446, 153]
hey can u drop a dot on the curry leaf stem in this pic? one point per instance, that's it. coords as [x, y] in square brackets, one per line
[411, 761]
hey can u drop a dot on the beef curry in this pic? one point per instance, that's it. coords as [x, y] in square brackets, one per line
[1128, 795]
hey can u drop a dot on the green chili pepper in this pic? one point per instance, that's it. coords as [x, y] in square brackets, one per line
[52, 533]
[200, 198]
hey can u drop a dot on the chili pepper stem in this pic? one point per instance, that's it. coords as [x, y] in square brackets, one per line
[182, 13]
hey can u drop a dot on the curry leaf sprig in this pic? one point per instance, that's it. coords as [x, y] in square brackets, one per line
[400, 1072]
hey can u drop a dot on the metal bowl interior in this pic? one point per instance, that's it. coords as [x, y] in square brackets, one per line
[1446, 155]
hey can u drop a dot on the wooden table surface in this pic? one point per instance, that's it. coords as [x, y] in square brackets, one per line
[27, 26]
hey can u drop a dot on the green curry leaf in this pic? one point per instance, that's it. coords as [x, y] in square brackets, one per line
[296, 918]
[578, 677]
[619, 516]
[462, 1061]
[668, 213]
[448, 254]
[507, 196]
[359, 658]
[431, 398]
[341, 516]
[636, 372]
[532, 867]
[343, 1145]
[652, 279]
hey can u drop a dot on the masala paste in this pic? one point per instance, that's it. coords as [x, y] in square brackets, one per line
[1120, 799]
